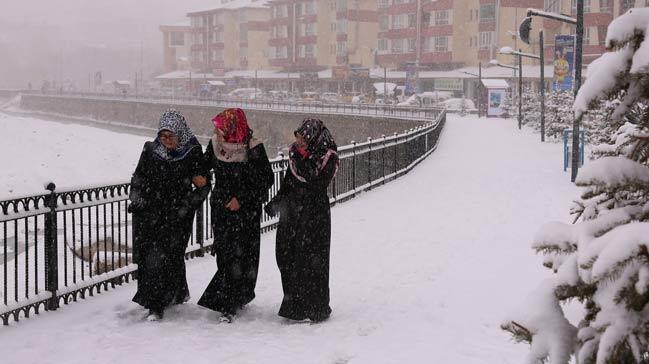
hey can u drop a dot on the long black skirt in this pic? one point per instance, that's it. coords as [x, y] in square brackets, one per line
[236, 245]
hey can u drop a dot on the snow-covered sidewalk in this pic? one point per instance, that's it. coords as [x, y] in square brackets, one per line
[422, 271]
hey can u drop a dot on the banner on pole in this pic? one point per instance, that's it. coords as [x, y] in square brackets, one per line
[564, 62]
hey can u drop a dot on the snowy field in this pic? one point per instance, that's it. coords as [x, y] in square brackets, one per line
[38, 151]
[423, 269]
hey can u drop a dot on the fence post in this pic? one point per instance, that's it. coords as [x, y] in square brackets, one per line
[354, 167]
[383, 159]
[51, 253]
[199, 230]
[396, 150]
[369, 163]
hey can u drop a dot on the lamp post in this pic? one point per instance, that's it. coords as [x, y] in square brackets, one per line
[479, 76]
[520, 54]
[524, 30]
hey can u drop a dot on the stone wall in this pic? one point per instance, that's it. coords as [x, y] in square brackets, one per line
[274, 127]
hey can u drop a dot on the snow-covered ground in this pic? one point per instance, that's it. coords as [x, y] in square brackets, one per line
[37, 152]
[423, 270]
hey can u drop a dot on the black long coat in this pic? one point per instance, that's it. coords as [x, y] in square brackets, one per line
[303, 244]
[163, 202]
[236, 233]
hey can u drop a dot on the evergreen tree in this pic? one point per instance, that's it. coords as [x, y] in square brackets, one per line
[602, 259]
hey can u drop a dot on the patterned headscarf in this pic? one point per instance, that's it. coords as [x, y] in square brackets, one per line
[320, 148]
[173, 121]
[234, 125]
[318, 138]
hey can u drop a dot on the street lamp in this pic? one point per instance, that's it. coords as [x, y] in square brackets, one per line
[520, 55]
[524, 30]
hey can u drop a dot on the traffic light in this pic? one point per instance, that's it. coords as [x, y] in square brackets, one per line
[524, 29]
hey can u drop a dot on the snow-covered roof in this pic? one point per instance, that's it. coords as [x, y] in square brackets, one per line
[216, 83]
[234, 5]
[494, 83]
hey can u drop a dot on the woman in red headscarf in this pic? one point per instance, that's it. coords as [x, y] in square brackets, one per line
[242, 176]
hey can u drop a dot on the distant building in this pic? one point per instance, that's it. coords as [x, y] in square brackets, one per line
[176, 45]
[230, 35]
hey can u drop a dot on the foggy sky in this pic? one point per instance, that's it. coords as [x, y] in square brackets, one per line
[71, 39]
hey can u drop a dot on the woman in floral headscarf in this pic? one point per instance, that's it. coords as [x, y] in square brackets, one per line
[304, 231]
[163, 202]
[242, 176]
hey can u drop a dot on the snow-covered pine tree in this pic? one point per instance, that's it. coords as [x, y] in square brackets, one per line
[602, 260]
[558, 115]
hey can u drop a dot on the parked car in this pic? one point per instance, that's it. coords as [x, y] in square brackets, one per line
[245, 93]
[329, 97]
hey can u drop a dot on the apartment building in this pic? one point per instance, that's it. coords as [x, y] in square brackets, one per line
[310, 35]
[176, 45]
[231, 35]
[446, 34]
[598, 14]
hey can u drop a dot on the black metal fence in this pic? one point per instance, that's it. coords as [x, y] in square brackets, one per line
[68, 244]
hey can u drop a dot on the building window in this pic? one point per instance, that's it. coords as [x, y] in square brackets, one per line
[341, 26]
[280, 52]
[217, 54]
[397, 46]
[309, 51]
[341, 49]
[485, 40]
[441, 44]
[552, 6]
[384, 23]
[309, 8]
[384, 4]
[280, 11]
[442, 17]
[397, 21]
[341, 5]
[412, 20]
[412, 45]
[176, 39]
[587, 33]
[309, 29]
[626, 5]
[487, 13]
[605, 6]
[382, 45]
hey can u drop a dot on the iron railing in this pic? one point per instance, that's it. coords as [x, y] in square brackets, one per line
[317, 107]
[69, 244]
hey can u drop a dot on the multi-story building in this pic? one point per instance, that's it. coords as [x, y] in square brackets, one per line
[176, 44]
[232, 35]
[310, 35]
[446, 34]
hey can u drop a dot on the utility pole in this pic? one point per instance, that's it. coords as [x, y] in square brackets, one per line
[520, 88]
[578, 60]
[418, 46]
[542, 85]
[480, 91]
[385, 85]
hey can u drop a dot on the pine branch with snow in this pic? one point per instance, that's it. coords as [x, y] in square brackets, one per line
[602, 259]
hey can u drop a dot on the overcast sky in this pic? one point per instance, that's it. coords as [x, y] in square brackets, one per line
[54, 39]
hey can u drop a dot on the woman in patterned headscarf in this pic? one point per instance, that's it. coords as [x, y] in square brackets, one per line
[304, 231]
[242, 176]
[163, 202]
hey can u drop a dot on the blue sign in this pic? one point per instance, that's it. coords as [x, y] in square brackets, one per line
[411, 78]
[564, 62]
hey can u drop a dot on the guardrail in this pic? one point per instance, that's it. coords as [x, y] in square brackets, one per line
[64, 245]
[391, 111]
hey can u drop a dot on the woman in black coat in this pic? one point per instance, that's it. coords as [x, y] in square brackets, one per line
[242, 176]
[163, 202]
[304, 231]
